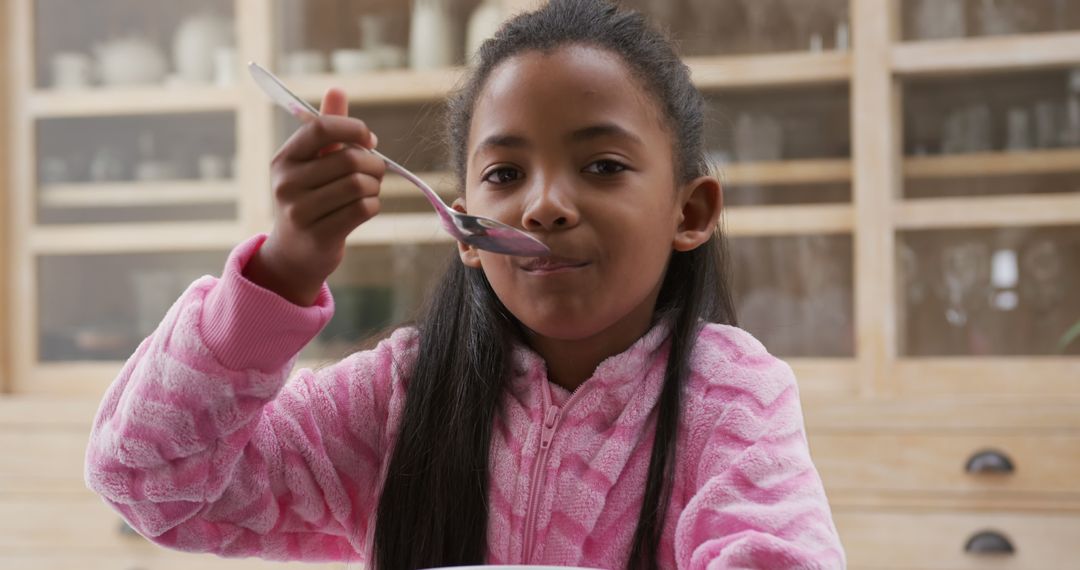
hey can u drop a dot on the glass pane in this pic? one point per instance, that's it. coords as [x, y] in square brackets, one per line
[773, 195]
[99, 307]
[788, 124]
[410, 135]
[731, 27]
[781, 146]
[117, 43]
[376, 287]
[349, 37]
[794, 293]
[993, 134]
[946, 19]
[988, 291]
[136, 169]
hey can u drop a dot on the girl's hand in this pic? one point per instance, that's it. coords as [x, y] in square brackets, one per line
[323, 190]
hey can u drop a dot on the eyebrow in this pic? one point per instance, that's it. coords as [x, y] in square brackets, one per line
[583, 134]
[604, 130]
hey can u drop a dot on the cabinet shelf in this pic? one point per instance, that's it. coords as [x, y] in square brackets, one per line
[134, 238]
[789, 220]
[709, 73]
[986, 375]
[383, 87]
[132, 101]
[991, 54]
[787, 172]
[128, 194]
[767, 70]
[394, 186]
[414, 228]
[993, 164]
[988, 211]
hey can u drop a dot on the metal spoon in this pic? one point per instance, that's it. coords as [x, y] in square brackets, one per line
[479, 232]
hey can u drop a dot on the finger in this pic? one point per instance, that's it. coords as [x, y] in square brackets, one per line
[334, 103]
[322, 132]
[337, 225]
[321, 202]
[304, 176]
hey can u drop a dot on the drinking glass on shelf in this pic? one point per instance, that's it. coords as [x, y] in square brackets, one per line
[939, 19]
[816, 19]
[760, 15]
[965, 271]
[1005, 17]
[758, 137]
[1018, 130]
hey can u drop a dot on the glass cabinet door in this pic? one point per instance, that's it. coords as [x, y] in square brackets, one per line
[343, 37]
[377, 287]
[795, 293]
[950, 19]
[781, 146]
[983, 266]
[990, 292]
[738, 27]
[99, 307]
[996, 134]
[139, 168]
[135, 117]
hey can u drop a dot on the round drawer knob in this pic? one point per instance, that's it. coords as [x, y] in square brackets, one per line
[989, 461]
[989, 542]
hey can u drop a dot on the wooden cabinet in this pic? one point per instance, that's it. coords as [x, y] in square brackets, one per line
[902, 181]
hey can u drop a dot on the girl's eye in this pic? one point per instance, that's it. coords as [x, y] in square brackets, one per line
[503, 176]
[605, 167]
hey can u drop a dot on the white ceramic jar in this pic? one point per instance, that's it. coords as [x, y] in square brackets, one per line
[195, 44]
[431, 35]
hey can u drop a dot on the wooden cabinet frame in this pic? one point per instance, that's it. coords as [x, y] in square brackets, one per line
[874, 69]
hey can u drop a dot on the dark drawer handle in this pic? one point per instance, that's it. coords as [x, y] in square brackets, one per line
[989, 542]
[989, 461]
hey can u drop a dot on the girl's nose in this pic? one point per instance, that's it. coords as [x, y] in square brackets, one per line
[550, 208]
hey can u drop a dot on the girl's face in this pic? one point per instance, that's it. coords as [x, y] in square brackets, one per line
[569, 147]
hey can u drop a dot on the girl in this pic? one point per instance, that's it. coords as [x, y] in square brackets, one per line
[593, 408]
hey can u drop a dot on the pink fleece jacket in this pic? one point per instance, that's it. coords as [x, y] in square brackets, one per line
[202, 445]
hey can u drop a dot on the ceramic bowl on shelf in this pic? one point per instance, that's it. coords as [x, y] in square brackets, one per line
[347, 61]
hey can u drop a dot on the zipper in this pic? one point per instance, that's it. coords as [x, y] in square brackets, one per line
[552, 415]
[547, 433]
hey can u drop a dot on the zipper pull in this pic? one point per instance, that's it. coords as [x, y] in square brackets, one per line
[548, 433]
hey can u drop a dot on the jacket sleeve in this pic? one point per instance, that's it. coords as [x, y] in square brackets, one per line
[757, 499]
[202, 445]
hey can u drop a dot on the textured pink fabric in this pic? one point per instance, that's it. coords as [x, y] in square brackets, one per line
[202, 445]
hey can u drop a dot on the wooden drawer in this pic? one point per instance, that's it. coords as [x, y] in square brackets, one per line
[80, 531]
[42, 460]
[924, 540]
[1043, 463]
[159, 560]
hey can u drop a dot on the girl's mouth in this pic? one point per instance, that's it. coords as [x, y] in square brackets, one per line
[551, 264]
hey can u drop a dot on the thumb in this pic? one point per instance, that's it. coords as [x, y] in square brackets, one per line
[335, 102]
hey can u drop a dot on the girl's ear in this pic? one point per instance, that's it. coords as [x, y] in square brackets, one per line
[470, 256]
[702, 200]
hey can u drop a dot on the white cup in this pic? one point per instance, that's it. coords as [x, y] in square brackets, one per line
[303, 62]
[225, 66]
[71, 70]
[213, 167]
[353, 61]
[390, 56]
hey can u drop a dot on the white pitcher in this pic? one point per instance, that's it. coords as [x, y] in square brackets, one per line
[195, 44]
[431, 35]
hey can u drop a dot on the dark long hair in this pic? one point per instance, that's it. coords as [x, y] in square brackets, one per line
[434, 505]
